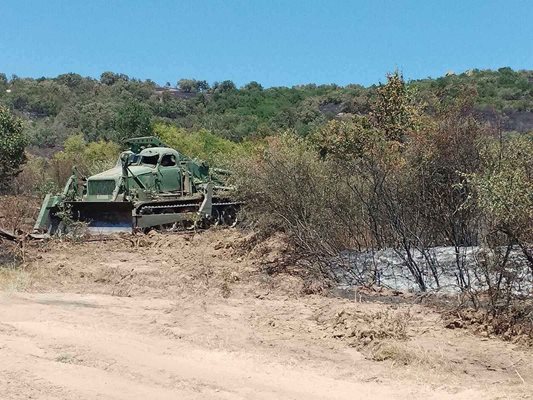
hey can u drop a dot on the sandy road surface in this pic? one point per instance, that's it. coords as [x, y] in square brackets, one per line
[108, 321]
[70, 346]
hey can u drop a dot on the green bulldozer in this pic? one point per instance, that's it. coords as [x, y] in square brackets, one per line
[151, 186]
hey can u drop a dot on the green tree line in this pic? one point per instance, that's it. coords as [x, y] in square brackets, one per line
[116, 106]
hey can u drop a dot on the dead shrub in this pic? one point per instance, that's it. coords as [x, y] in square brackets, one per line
[514, 325]
[18, 213]
[10, 254]
[360, 329]
[289, 189]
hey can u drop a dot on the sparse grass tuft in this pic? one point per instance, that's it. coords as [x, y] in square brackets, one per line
[14, 279]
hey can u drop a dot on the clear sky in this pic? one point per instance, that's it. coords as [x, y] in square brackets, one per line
[273, 42]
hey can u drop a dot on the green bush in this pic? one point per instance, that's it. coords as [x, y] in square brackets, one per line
[42, 175]
[504, 190]
[12, 144]
[90, 158]
[203, 144]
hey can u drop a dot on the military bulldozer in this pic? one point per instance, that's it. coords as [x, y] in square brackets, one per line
[151, 186]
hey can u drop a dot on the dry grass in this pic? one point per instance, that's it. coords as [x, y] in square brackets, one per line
[385, 336]
[15, 279]
[16, 272]
[401, 353]
[361, 329]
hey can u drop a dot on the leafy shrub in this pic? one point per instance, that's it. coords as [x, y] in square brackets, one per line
[504, 186]
[504, 192]
[12, 144]
[41, 175]
[89, 158]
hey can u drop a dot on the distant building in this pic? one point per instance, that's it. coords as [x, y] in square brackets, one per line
[161, 91]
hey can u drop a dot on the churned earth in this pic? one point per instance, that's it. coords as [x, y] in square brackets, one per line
[199, 316]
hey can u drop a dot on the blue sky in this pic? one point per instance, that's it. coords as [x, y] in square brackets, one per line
[273, 42]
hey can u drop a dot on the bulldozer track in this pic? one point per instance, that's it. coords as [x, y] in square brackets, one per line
[188, 205]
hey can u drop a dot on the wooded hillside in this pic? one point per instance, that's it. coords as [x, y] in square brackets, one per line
[116, 106]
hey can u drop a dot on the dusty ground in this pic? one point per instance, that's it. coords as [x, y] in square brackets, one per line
[194, 317]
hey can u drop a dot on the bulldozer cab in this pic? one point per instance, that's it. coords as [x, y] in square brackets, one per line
[166, 163]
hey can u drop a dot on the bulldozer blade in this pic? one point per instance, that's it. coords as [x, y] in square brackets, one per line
[103, 217]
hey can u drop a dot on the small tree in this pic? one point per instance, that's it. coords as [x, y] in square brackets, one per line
[133, 119]
[504, 187]
[394, 112]
[12, 144]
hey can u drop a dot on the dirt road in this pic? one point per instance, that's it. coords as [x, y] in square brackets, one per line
[188, 318]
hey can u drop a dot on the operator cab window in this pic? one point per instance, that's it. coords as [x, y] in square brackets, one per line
[134, 159]
[168, 160]
[150, 160]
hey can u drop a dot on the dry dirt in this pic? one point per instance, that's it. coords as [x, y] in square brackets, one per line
[193, 316]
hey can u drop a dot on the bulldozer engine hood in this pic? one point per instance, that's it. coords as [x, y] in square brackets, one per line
[116, 173]
[101, 187]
